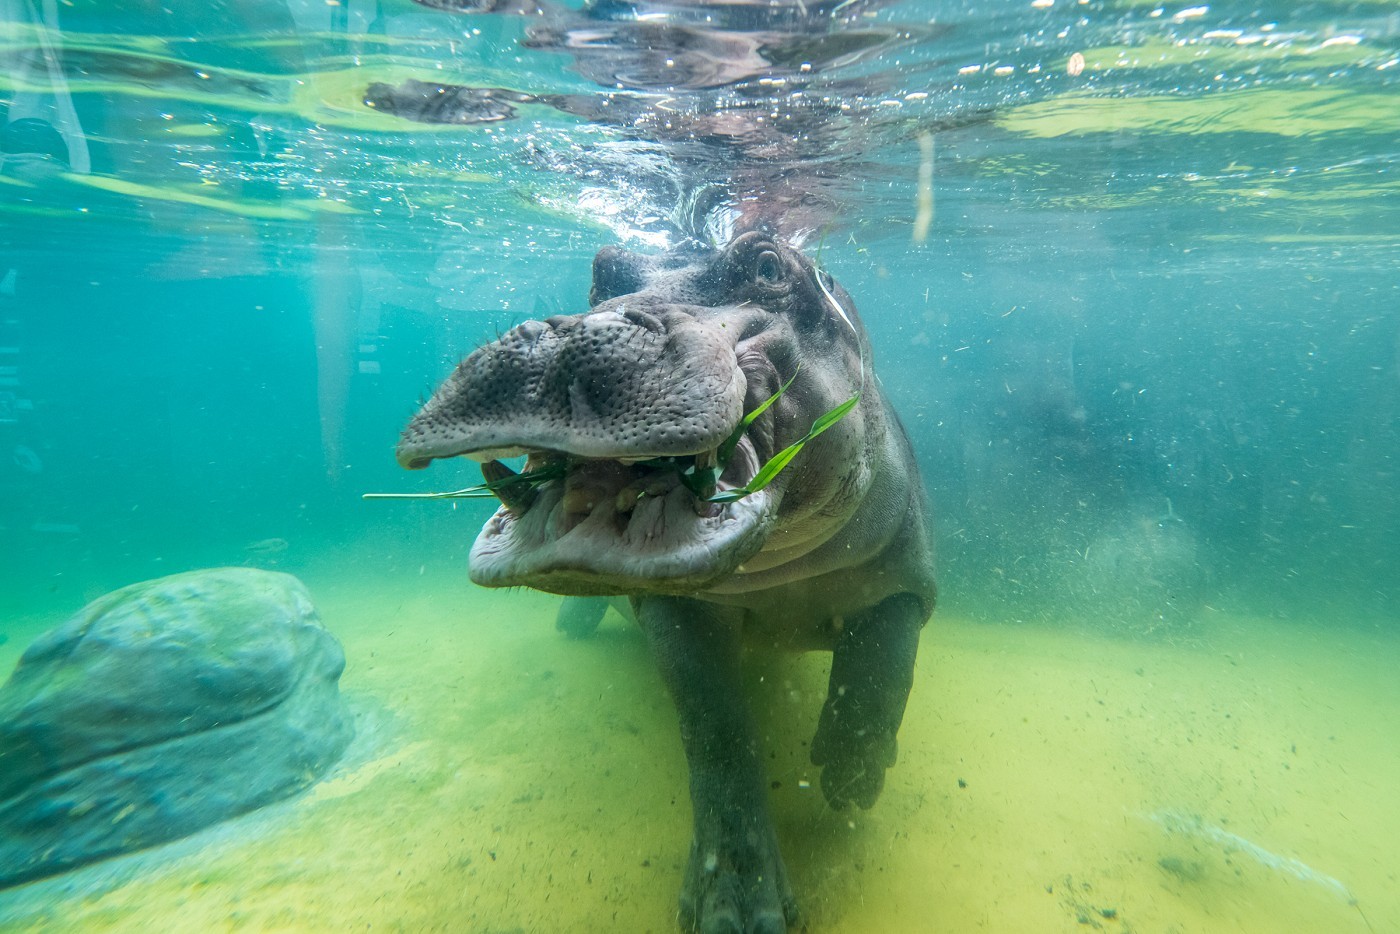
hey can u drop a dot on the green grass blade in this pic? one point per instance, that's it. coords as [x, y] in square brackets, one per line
[471, 492]
[481, 490]
[726, 450]
[774, 466]
[777, 462]
[832, 417]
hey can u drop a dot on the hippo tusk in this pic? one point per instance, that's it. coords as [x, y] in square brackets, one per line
[517, 497]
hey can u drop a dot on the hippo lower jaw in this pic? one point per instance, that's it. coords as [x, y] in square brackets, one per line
[623, 525]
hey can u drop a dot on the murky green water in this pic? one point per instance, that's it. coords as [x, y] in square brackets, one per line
[1141, 325]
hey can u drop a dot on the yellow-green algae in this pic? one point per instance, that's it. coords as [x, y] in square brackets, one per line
[1281, 112]
[197, 130]
[1225, 53]
[287, 209]
[1331, 194]
[425, 170]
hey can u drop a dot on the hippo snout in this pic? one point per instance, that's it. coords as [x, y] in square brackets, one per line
[629, 379]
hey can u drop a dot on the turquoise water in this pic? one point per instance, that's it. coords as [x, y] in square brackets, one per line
[1146, 344]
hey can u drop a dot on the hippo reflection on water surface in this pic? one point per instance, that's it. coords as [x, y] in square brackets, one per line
[624, 407]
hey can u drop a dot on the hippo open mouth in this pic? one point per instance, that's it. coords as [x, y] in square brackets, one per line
[629, 420]
[605, 525]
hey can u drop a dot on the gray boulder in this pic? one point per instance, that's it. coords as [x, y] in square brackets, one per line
[162, 708]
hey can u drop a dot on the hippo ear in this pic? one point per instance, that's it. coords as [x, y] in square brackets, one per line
[616, 272]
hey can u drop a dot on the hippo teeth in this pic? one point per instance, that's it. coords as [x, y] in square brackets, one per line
[583, 524]
[620, 483]
[516, 497]
[627, 498]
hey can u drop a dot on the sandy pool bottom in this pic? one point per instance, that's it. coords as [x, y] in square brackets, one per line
[1050, 779]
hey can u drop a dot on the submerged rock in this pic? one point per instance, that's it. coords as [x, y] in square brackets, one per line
[162, 708]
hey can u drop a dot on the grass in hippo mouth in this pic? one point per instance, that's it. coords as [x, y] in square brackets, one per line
[699, 473]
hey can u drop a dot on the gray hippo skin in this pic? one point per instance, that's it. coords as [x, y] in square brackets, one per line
[160, 709]
[833, 555]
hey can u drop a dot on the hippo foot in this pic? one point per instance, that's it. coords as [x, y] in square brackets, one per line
[872, 668]
[853, 766]
[737, 887]
[578, 617]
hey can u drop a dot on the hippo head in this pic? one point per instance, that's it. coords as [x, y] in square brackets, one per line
[623, 402]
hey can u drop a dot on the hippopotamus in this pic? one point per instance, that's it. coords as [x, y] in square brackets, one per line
[622, 407]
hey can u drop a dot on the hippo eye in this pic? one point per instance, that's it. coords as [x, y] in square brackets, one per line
[768, 267]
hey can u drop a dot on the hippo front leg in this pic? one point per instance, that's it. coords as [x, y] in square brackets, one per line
[872, 669]
[735, 881]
